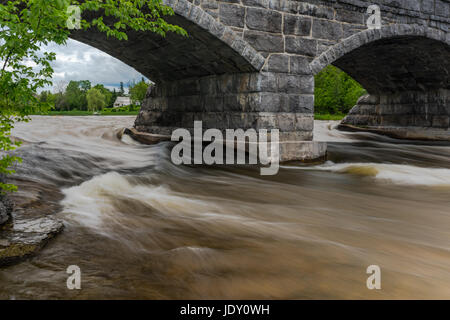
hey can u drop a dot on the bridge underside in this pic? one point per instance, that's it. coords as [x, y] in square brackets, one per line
[408, 79]
[173, 57]
[216, 76]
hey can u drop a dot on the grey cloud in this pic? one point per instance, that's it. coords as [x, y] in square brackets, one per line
[77, 61]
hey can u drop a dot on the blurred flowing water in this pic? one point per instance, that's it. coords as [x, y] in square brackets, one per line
[139, 226]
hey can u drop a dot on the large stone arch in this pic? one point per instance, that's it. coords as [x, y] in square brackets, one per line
[406, 71]
[211, 47]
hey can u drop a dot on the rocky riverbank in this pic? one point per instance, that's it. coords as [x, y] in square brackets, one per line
[27, 222]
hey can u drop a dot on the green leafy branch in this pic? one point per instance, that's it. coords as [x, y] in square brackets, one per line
[28, 25]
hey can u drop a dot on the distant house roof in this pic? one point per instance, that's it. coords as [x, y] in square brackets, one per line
[122, 101]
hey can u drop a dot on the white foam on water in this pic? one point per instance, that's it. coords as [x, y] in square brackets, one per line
[92, 202]
[393, 173]
[129, 140]
[95, 204]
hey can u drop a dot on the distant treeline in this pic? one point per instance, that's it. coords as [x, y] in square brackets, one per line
[82, 96]
[335, 91]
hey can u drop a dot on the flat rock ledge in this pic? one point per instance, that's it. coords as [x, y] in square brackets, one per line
[143, 137]
[25, 230]
[23, 237]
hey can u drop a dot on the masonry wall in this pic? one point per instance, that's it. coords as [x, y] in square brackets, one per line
[288, 36]
[308, 28]
[248, 100]
[407, 109]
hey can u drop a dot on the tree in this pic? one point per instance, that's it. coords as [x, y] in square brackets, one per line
[26, 25]
[114, 96]
[60, 86]
[107, 94]
[84, 85]
[121, 91]
[75, 97]
[95, 99]
[335, 91]
[139, 91]
[61, 102]
[43, 97]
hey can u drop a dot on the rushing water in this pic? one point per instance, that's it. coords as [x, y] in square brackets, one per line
[139, 226]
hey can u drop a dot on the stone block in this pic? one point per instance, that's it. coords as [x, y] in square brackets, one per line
[298, 84]
[232, 15]
[213, 103]
[297, 25]
[210, 4]
[262, 41]
[278, 63]
[267, 120]
[263, 20]
[299, 65]
[442, 8]
[256, 3]
[300, 103]
[301, 46]
[324, 29]
[348, 16]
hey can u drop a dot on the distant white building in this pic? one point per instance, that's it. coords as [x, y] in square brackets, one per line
[122, 101]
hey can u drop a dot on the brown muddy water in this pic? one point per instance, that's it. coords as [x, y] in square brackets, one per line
[141, 227]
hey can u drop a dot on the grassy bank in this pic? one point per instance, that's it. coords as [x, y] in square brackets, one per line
[328, 116]
[88, 113]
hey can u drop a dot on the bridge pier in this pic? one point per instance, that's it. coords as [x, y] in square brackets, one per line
[412, 114]
[258, 100]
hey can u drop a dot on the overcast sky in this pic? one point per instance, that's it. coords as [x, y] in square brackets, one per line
[77, 61]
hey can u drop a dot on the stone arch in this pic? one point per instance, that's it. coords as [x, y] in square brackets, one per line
[400, 42]
[406, 71]
[210, 49]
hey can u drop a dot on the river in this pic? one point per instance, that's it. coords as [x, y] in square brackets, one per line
[141, 227]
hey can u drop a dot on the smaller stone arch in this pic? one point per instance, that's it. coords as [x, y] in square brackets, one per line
[406, 71]
[370, 35]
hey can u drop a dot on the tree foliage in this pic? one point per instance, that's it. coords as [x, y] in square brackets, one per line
[95, 99]
[76, 94]
[27, 25]
[335, 91]
[107, 95]
[138, 91]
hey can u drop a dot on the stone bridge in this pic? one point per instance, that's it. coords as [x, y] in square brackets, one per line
[251, 64]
